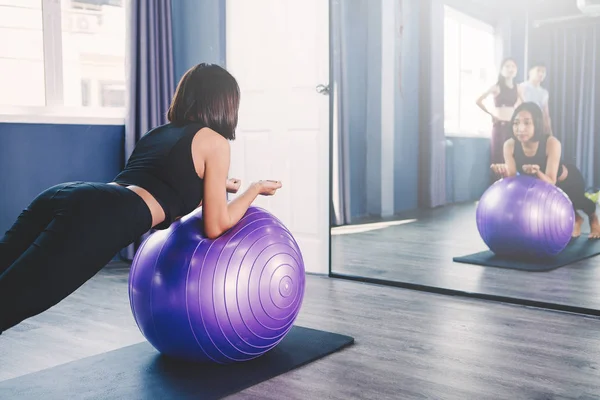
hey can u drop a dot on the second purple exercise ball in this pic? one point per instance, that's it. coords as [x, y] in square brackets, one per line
[225, 300]
[523, 216]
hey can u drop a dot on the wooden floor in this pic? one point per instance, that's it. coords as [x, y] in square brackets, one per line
[409, 345]
[421, 253]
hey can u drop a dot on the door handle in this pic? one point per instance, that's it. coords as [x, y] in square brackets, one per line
[323, 89]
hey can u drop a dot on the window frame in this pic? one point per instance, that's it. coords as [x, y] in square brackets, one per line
[462, 18]
[55, 112]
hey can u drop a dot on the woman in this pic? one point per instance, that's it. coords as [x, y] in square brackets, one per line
[70, 231]
[533, 152]
[507, 96]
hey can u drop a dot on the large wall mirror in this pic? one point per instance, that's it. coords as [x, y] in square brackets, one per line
[466, 148]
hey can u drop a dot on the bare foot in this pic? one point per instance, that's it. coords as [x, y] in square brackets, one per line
[594, 227]
[577, 227]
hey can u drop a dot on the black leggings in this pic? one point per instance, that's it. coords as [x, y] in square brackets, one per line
[61, 240]
[574, 187]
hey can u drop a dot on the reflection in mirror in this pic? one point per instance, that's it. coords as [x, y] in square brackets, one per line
[466, 148]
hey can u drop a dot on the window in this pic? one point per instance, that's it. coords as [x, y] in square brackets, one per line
[469, 69]
[62, 58]
[112, 94]
[21, 53]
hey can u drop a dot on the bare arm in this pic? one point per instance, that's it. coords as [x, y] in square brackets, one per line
[546, 110]
[509, 157]
[508, 168]
[547, 121]
[520, 98]
[492, 90]
[232, 185]
[554, 152]
[218, 215]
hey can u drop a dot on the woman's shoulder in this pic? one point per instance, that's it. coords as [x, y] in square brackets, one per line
[552, 141]
[509, 145]
[209, 141]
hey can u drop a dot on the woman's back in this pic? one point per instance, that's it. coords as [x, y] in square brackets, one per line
[162, 164]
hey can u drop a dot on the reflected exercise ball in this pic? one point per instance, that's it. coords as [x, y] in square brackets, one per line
[525, 217]
[225, 300]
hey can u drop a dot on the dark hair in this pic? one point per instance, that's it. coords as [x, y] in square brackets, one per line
[536, 65]
[208, 94]
[536, 116]
[501, 80]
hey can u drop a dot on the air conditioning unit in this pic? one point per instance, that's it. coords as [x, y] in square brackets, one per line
[589, 7]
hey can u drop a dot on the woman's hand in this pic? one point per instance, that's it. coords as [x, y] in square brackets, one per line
[500, 169]
[531, 169]
[233, 185]
[268, 187]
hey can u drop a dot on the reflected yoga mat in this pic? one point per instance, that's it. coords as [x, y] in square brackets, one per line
[577, 250]
[140, 372]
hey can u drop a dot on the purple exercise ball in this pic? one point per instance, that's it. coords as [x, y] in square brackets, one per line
[525, 217]
[225, 300]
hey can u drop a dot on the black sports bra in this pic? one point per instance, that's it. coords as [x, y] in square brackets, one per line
[507, 97]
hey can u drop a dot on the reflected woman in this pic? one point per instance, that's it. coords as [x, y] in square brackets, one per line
[532, 151]
[507, 96]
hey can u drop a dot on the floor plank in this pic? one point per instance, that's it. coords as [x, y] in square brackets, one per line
[409, 345]
[421, 253]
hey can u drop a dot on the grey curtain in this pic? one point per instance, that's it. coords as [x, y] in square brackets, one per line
[356, 89]
[574, 86]
[149, 69]
[432, 140]
[339, 87]
[150, 75]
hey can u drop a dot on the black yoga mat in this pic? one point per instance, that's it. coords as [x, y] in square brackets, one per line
[140, 372]
[577, 250]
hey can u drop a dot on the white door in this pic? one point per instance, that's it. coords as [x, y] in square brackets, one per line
[278, 50]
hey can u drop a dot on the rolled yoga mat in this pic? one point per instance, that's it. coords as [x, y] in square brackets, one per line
[140, 372]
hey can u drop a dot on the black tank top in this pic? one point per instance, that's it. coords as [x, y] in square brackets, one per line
[539, 158]
[507, 96]
[162, 164]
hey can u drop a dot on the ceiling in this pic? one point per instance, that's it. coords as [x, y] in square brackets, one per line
[553, 8]
[537, 8]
